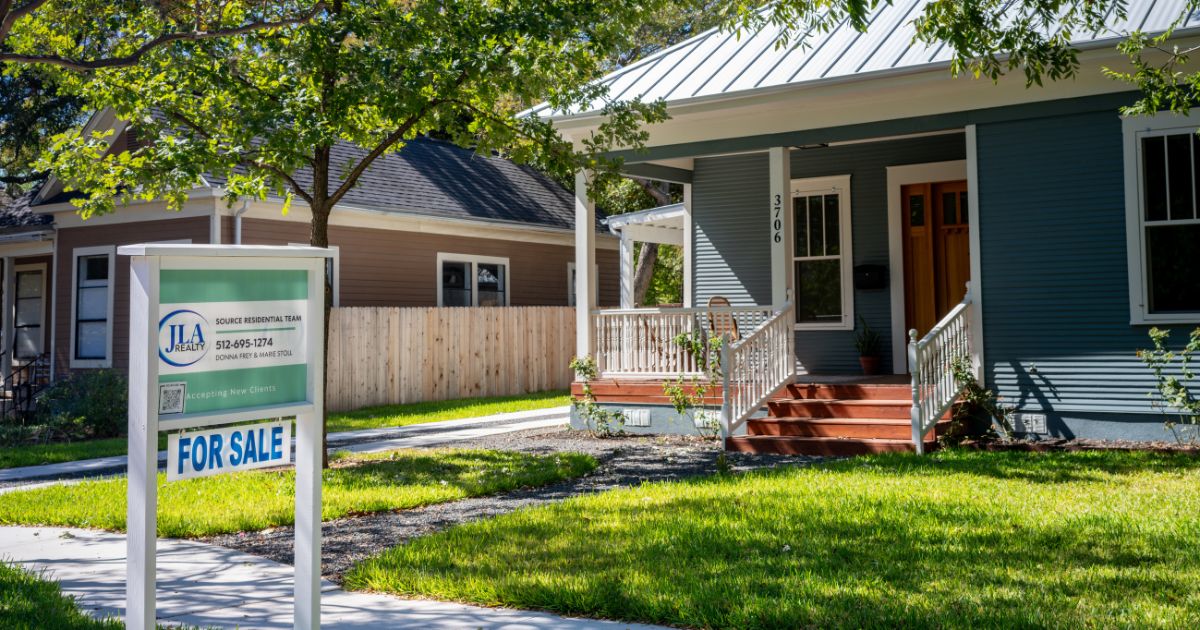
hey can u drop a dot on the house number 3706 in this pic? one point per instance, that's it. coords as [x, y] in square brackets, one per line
[777, 218]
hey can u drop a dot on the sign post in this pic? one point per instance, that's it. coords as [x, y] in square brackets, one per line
[223, 335]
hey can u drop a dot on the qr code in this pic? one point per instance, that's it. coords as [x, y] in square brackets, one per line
[171, 397]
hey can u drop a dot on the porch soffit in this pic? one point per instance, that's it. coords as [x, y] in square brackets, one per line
[663, 225]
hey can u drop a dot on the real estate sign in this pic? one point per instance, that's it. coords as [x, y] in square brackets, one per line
[221, 339]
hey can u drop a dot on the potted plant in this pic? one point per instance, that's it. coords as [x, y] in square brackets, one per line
[866, 340]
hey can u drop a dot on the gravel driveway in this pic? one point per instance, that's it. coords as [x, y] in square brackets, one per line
[624, 461]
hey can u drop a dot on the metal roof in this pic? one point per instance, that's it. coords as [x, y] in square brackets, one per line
[720, 62]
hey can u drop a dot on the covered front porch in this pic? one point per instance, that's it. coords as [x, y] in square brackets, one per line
[795, 253]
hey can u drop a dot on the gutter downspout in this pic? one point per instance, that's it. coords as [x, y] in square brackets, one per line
[237, 222]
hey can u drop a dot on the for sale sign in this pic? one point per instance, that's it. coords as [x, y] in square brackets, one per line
[231, 339]
[229, 449]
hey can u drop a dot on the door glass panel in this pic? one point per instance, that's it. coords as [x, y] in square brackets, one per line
[456, 289]
[816, 228]
[949, 209]
[800, 220]
[28, 342]
[818, 291]
[833, 242]
[29, 284]
[490, 279]
[916, 210]
[962, 207]
[1154, 174]
[1179, 175]
[29, 312]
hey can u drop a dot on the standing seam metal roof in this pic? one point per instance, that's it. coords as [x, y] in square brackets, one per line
[717, 62]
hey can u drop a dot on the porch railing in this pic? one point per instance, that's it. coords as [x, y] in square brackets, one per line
[641, 342]
[931, 362]
[756, 366]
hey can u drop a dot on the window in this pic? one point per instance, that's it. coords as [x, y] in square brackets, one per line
[1163, 219]
[30, 305]
[333, 270]
[821, 253]
[91, 307]
[472, 280]
[571, 284]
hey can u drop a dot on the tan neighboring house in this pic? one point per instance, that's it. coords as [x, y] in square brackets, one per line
[433, 225]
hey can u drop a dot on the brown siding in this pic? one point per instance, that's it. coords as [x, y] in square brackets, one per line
[47, 260]
[194, 228]
[395, 268]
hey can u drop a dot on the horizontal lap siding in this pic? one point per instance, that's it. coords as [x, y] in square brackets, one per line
[397, 268]
[195, 229]
[732, 255]
[1055, 282]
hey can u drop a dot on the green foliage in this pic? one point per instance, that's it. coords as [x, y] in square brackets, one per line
[974, 400]
[93, 403]
[257, 500]
[666, 285]
[1174, 376]
[600, 422]
[955, 539]
[687, 393]
[33, 601]
[866, 340]
[32, 111]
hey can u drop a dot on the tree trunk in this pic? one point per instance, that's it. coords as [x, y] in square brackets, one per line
[319, 237]
[644, 270]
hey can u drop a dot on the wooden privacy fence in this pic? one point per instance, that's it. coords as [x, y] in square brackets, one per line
[390, 355]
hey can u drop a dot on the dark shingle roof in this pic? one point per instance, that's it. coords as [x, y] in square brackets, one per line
[16, 215]
[439, 179]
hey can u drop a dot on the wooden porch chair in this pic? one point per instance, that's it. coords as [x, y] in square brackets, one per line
[722, 324]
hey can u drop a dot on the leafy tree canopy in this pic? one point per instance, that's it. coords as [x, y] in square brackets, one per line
[32, 112]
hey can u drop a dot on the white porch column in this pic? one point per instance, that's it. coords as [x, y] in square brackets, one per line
[688, 287]
[781, 223]
[9, 302]
[626, 270]
[585, 261]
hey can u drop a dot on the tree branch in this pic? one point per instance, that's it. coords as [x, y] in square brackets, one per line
[9, 16]
[82, 65]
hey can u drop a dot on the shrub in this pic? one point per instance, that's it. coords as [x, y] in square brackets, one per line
[86, 404]
[1174, 375]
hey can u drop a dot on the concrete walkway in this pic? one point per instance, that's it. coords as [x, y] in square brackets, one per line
[367, 440]
[213, 587]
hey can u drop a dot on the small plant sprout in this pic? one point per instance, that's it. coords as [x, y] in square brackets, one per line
[1175, 389]
[600, 422]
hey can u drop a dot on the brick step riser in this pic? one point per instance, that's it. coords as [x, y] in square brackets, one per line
[816, 446]
[836, 409]
[849, 392]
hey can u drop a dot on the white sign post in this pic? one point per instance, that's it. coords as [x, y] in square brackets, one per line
[219, 335]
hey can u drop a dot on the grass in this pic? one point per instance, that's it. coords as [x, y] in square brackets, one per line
[437, 411]
[368, 418]
[957, 539]
[257, 500]
[27, 601]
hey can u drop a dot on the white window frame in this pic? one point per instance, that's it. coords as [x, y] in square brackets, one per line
[337, 270]
[1133, 130]
[475, 260]
[17, 269]
[839, 185]
[76, 254]
[571, 284]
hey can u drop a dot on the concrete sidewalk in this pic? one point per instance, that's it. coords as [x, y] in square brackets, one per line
[208, 586]
[367, 440]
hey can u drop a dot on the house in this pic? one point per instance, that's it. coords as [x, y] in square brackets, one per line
[851, 181]
[431, 225]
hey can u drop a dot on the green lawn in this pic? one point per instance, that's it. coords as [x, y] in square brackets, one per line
[957, 539]
[436, 411]
[29, 602]
[368, 418]
[252, 501]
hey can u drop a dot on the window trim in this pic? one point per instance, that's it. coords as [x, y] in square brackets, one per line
[839, 184]
[1133, 129]
[474, 260]
[571, 284]
[76, 254]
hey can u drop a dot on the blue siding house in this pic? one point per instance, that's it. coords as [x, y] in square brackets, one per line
[1033, 234]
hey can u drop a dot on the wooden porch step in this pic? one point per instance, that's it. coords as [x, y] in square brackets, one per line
[841, 408]
[793, 445]
[856, 428]
[849, 391]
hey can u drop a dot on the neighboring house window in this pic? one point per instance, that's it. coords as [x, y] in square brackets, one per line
[30, 310]
[571, 284]
[465, 280]
[1162, 163]
[822, 277]
[92, 307]
[333, 271]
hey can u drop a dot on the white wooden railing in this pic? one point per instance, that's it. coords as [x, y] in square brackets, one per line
[641, 342]
[756, 366]
[931, 362]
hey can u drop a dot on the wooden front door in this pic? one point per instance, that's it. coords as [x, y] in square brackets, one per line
[937, 263]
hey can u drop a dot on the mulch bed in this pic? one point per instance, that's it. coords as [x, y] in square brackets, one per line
[1076, 444]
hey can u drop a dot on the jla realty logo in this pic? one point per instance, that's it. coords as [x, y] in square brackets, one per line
[183, 337]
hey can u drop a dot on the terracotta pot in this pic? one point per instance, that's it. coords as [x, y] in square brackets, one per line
[870, 365]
